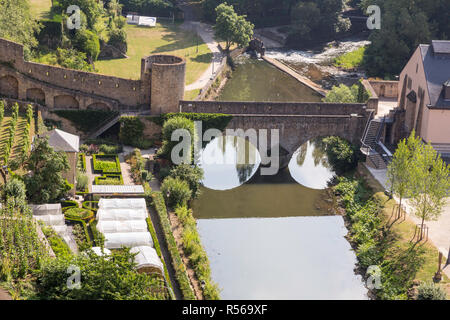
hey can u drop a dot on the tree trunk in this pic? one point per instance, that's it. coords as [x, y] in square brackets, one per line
[421, 227]
[399, 208]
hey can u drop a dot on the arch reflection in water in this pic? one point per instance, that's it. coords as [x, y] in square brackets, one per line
[309, 165]
[228, 162]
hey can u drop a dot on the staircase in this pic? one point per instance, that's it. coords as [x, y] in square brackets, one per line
[376, 160]
[104, 126]
[372, 134]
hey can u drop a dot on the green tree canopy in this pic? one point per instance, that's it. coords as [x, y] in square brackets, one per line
[342, 94]
[231, 27]
[45, 183]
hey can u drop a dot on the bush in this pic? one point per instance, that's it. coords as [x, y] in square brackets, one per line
[191, 174]
[78, 214]
[110, 149]
[430, 291]
[59, 247]
[81, 162]
[69, 204]
[90, 205]
[82, 182]
[109, 179]
[131, 130]
[169, 127]
[87, 42]
[176, 191]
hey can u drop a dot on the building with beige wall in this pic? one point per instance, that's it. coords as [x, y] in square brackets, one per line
[424, 87]
[69, 143]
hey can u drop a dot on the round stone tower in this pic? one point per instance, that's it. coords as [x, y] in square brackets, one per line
[167, 82]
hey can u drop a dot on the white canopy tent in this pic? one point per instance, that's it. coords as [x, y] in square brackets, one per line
[121, 214]
[122, 203]
[98, 251]
[106, 226]
[127, 239]
[147, 260]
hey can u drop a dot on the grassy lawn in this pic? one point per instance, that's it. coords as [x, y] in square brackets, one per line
[350, 60]
[192, 94]
[40, 9]
[165, 38]
[403, 232]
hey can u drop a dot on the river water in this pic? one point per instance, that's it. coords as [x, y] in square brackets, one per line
[273, 237]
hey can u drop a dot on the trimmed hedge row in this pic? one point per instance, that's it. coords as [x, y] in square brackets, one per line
[106, 167]
[90, 205]
[82, 162]
[177, 262]
[83, 223]
[78, 214]
[209, 120]
[109, 179]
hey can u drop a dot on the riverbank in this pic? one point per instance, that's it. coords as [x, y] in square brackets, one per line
[382, 241]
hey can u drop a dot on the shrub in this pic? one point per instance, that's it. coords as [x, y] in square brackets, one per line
[82, 182]
[82, 162]
[87, 42]
[110, 149]
[176, 191]
[169, 127]
[90, 205]
[109, 179]
[131, 128]
[191, 174]
[78, 214]
[430, 291]
[59, 247]
[69, 204]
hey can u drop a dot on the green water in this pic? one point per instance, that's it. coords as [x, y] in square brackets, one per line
[257, 80]
[270, 237]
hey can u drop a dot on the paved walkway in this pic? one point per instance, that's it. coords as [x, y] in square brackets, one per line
[206, 32]
[439, 231]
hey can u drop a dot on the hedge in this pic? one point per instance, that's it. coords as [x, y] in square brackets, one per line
[78, 214]
[82, 162]
[66, 204]
[115, 179]
[177, 262]
[152, 231]
[83, 223]
[90, 205]
[209, 120]
[106, 167]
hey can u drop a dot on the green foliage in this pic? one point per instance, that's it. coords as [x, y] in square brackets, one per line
[85, 120]
[209, 120]
[342, 94]
[118, 39]
[59, 247]
[176, 191]
[46, 183]
[197, 255]
[69, 204]
[92, 10]
[91, 205]
[106, 164]
[86, 41]
[110, 149]
[2, 111]
[79, 214]
[17, 23]
[177, 262]
[102, 278]
[231, 27]
[109, 179]
[191, 174]
[131, 132]
[405, 24]
[350, 60]
[82, 182]
[21, 251]
[169, 127]
[431, 291]
[81, 165]
[342, 155]
[15, 193]
[160, 8]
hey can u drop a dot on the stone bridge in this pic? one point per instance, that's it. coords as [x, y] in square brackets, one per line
[297, 122]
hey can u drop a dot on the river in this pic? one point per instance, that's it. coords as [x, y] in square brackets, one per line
[273, 237]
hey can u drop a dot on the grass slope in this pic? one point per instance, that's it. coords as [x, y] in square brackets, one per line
[165, 38]
[40, 9]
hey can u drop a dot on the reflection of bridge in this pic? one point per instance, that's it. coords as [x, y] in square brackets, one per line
[297, 122]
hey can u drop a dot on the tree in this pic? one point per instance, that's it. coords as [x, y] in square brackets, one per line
[398, 172]
[17, 24]
[342, 155]
[169, 128]
[342, 94]
[45, 183]
[231, 27]
[15, 193]
[87, 42]
[102, 278]
[430, 182]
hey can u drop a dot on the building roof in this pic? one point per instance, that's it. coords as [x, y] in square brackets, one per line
[437, 71]
[120, 189]
[63, 141]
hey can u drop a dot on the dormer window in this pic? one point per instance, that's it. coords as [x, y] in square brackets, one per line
[447, 90]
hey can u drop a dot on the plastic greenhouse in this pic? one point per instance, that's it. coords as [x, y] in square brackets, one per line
[122, 204]
[147, 260]
[106, 226]
[127, 239]
[121, 214]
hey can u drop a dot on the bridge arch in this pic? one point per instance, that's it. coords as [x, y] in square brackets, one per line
[65, 102]
[9, 87]
[36, 95]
